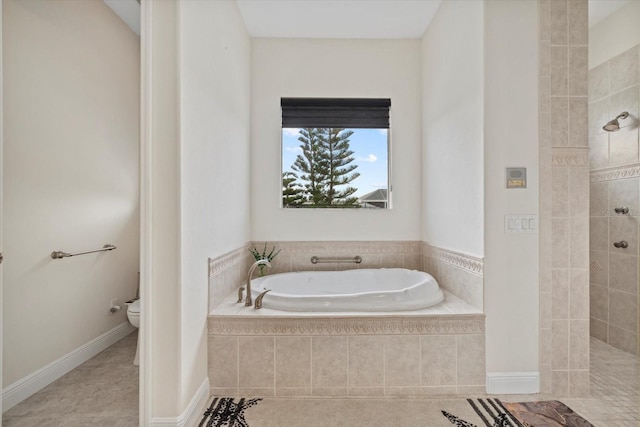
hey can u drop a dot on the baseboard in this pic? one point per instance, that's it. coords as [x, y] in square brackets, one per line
[25, 387]
[513, 382]
[192, 413]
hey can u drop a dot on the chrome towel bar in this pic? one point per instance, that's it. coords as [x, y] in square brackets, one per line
[62, 254]
[356, 260]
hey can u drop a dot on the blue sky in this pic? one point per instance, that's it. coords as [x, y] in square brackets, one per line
[370, 153]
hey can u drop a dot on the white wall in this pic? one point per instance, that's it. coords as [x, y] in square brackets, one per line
[197, 159]
[615, 34]
[335, 68]
[452, 128]
[214, 153]
[511, 139]
[71, 85]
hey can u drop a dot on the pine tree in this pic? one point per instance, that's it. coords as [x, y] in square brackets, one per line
[337, 157]
[311, 165]
[292, 191]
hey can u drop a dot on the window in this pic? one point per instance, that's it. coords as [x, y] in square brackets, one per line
[335, 153]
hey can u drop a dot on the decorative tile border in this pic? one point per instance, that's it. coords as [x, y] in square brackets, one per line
[370, 325]
[223, 262]
[347, 247]
[465, 262]
[570, 156]
[615, 173]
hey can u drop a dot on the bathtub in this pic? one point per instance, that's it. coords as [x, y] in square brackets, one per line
[385, 289]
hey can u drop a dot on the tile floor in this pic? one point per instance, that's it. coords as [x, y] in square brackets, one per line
[101, 392]
[104, 392]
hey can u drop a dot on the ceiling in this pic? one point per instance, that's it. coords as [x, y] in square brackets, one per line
[369, 19]
[380, 19]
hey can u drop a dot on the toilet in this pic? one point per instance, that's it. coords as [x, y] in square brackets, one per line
[133, 314]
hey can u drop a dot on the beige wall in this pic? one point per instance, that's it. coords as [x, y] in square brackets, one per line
[71, 85]
[198, 108]
[615, 34]
[452, 128]
[307, 68]
[511, 140]
[214, 155]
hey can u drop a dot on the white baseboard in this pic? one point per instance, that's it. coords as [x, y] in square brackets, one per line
[192, 413]
[25, 387]
[513, 382]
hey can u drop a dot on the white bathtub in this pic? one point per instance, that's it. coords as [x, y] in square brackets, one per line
[385, 289]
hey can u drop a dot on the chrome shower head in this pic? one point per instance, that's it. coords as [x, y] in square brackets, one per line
[614, 125]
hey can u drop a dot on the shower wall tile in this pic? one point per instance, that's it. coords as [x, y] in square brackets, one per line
[623, 310]
[560, 344]
[560, 246]
[579, 302]
[623, 147]
[599, 329]
[623, 273]
[624, 70]
[560, 195]
[625, 100]
[599, 82]
[599, 199]
[599, 115]
[623, 339]
[578, 71]
[578, 187]
[598, 151]
[577, 20]
[560, 294]
[579, 243]
[624, 228]
[599, 267]
[544, 22]
[578, 121]
[559, 70]
[560, 128]
[599, 302]
[579, 383]
[599, 233]
[624, 193]
[578, 346]
[558, 24]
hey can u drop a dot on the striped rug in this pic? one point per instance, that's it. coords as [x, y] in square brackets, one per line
[491, 412]
[226, 411]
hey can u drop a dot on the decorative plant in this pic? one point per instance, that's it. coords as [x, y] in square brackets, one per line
[263, 255]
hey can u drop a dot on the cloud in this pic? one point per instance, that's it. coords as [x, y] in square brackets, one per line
[383, 131]
[294, 150]
[371, 158]
[291, 131]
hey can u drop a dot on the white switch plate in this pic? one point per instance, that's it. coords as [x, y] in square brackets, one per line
[521, 224]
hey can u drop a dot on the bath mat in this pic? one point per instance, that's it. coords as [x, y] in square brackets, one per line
[491, 413]
[225, 411]
[546, 413]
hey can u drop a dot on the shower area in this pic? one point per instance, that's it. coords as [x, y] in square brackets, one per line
[615, 200]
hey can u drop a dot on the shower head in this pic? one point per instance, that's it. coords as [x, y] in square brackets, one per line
[614, 125]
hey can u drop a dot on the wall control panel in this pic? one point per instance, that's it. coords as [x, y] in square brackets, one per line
[516, 177]
[521, 224]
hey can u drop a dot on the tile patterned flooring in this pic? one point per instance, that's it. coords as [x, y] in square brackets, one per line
[104, 392]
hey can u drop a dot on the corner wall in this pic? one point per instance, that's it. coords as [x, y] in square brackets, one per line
[335, 68]
[511, 140]
[452, 128]
[71, 123]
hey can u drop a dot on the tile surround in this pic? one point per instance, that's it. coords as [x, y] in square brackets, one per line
[615, 182]
[564, 185]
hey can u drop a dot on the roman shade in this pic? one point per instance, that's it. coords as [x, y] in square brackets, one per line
[371, 113]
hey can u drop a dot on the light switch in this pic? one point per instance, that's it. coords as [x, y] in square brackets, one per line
[520, 224]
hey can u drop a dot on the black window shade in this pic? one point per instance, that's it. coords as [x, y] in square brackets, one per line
[372, 113]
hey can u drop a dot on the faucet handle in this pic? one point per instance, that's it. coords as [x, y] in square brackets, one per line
[240, 290]
[258, 303]
[622, 210]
